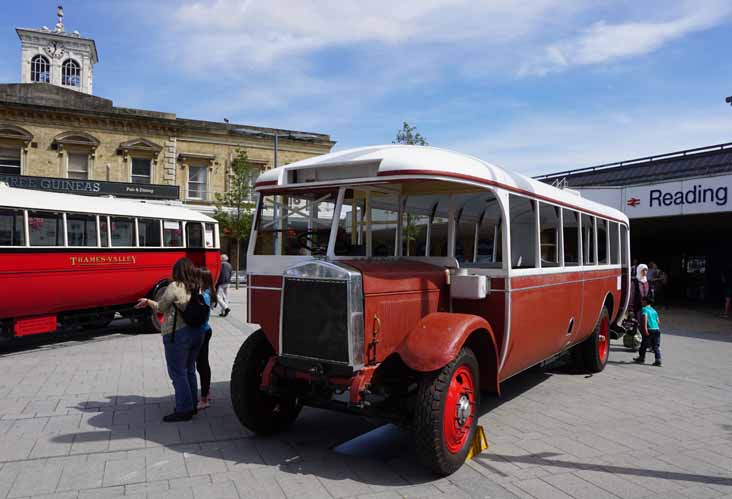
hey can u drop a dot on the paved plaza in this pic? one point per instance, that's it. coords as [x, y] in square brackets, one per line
[80, 418]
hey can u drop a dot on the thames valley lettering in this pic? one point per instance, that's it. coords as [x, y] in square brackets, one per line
[103, 260]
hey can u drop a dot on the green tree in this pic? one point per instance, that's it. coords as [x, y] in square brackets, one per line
[234, 208]
[409, 135]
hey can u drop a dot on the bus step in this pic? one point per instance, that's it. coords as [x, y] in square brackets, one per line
[35, 325]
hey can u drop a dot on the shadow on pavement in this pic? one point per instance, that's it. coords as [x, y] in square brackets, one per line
[542, 459]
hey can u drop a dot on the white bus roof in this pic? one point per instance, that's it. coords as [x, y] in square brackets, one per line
[11, 197]
[400, 162]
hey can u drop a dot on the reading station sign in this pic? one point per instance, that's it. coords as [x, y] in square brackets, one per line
[92, 187]
[683, 197]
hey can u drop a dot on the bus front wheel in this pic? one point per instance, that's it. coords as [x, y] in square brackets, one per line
[446, 414]
[259, 411]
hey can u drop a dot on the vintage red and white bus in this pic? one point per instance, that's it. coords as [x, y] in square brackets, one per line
[78, 260]
[402, 281]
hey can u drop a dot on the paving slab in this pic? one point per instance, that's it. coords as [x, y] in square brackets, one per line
[87, 424]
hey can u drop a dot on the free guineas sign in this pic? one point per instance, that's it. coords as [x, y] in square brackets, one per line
[684, 197]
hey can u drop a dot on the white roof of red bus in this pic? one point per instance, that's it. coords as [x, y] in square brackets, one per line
[11, 197]
[405, 161]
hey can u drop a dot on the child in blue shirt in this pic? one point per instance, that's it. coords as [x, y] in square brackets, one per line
[651, 329]
[202, 364]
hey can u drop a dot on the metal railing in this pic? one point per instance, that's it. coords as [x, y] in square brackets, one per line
[646, 159]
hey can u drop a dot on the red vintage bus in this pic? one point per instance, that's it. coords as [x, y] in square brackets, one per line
[73, 260]
[403, 281]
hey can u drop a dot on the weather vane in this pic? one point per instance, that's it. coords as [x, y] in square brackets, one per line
[60, 23]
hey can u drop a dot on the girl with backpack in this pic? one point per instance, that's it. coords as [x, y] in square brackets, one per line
[202, 364]
[182, 330]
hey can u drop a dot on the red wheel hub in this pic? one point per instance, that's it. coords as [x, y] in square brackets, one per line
[459, 409]
[603, 340]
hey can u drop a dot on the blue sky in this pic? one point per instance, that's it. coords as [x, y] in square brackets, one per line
[534, 86]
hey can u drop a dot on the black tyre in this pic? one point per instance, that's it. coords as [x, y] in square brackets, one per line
[595, 350]
[150, 321]
[101, 322]
[446, 414]
[260, 412]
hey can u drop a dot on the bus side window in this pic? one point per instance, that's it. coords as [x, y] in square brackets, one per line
[12, 228]
[478, 230]
[549, 235]
[45, 228]
[602, 252]
[614, 243]
[588, 239]
[104, 231]
[571, 238]
[81, 230]
[439, 223]
[522, 213]
[194, 235]
[149, 232]
[210, 236]
[624, 245]
[172, 234]
[123, 231]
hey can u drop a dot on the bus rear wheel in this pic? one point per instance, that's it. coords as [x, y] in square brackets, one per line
[595, 350]
[259, 411]
[446, 414]
[152, 321]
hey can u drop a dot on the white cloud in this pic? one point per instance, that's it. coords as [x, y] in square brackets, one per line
[226, 32]
[602, 42]
[545, 143]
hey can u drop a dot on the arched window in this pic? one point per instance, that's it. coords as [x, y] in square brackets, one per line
[71, 73]
[40, 69]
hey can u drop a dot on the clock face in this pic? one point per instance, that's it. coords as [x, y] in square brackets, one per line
[55, 49]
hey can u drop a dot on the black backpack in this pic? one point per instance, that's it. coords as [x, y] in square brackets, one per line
[196, 313]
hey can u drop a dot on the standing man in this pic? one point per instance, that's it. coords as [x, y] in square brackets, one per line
[222, 285]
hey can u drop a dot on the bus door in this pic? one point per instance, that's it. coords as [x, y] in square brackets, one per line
[574, 283]
[195, 243]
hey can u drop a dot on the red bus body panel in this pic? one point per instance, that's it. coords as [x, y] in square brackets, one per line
[36, 281]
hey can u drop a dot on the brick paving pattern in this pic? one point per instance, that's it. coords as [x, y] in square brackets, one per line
[80, 418]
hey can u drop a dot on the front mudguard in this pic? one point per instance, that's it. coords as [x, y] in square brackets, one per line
[439, 337]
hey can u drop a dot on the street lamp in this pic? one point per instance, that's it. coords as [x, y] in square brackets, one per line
[276, 134]
[728, 100]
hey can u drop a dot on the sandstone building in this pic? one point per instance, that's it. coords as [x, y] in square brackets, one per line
[56, 135]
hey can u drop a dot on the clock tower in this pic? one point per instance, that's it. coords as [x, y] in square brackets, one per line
[57, 57]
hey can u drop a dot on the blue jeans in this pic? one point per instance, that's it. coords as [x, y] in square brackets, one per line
[180, 357]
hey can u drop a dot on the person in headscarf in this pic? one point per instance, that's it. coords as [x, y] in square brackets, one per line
[639, 289]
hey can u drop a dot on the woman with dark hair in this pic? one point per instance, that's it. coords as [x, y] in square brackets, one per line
[181, 341]
[202, 365]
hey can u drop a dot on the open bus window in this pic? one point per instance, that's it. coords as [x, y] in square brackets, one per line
[588, 239]
[294, 224]
[104, 231]
[571, 238]
[439, 226]
[45, 228]
[416, 225]
[351, 236]
[149, 232]
[123, 231]
[210, 236]
[194, 235]
[523, 232]
[81, 230]
[549, 235]
[172, 234]
[614, 243]
[12, 231]
[602, 253]
[384, 223]
[478, 230]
